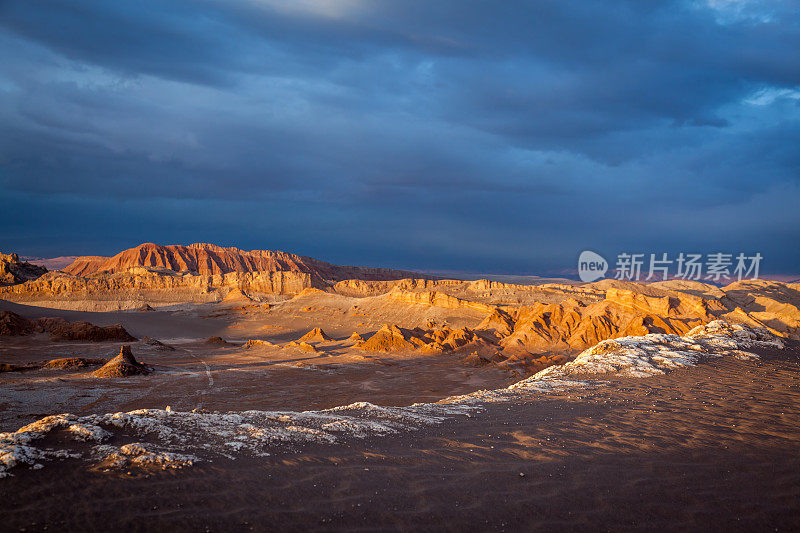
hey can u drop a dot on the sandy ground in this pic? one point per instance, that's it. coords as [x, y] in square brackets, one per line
[712, 447]
[196, 375]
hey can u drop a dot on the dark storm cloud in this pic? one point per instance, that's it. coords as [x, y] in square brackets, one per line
[466, 135]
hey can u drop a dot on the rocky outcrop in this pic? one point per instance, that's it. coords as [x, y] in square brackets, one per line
[315, 335]
[7, 367]
[13, 324]
[445, 339]
[361, 288]
[143, 279]
[123, 365]
[676, 304]
[71, 363]
[132, 288]
[574, 326]
[542, 333]
[483, 292]
[477, 347]
[64, 363]
[652, 355]
[301, 345]
[526, 333]
[217, 341]
[530, 330]
[13, 271]
[391, 338]
[436, 299]
[355, 337]
[257, 343]
[61, 329]
[172, 275]
[210, 260]
[157, 344]
[236, 295]
[499, 322]
[697, 288]
[769, 304]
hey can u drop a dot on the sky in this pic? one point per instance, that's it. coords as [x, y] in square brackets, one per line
[498, 137]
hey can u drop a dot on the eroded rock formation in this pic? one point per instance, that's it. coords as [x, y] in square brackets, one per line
[122, 365]
[60, 329]
[71, 363]
[210, 260]
[478, 347]
[63, 363]
[171, 275]
[128, 289]
[13, 324]
[523, 334]
[13, 271]
[315, 335]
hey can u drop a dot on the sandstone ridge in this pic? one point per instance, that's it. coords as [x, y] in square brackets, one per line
[211, 260]
[585, 317]
[173, 275]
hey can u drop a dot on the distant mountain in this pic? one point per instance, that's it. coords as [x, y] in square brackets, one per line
[208, 259]
[51, 263]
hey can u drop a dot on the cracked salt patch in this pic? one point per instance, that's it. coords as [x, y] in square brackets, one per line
[168, 439]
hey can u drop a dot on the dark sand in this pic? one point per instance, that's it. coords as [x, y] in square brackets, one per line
[199, 376]
[714, 447]
[222, 378]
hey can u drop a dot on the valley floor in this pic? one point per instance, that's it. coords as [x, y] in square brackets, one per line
[711, 447]
[223, 377]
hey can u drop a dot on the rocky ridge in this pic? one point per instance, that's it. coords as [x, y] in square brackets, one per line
[211, 260]
[13, 271]
[155, 275]
[60, 329]
[531, 337]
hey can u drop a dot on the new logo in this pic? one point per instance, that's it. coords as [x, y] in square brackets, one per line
[591, 266]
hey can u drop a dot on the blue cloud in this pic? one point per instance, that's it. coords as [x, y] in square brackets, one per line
[463, 135]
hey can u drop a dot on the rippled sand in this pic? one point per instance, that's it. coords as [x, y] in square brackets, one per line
[707, 447]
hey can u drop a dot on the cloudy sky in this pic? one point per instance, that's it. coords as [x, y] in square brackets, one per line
[468, 135]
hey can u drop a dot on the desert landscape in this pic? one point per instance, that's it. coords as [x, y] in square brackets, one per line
[164, 365]
[399, 265]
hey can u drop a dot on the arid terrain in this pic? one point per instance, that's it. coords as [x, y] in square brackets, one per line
[324, 396]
